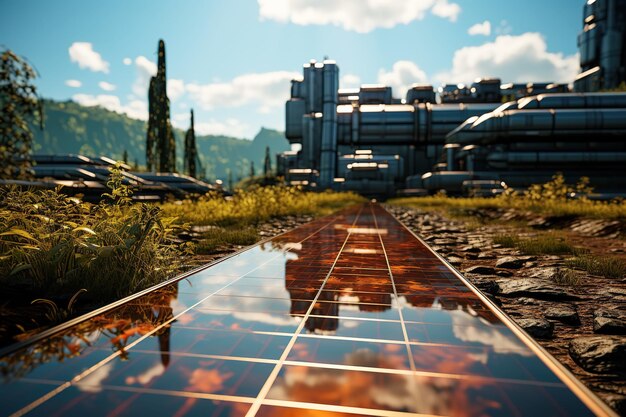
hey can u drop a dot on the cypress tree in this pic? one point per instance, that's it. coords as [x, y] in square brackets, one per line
[160, 141]
[191, 153]
[267, 164]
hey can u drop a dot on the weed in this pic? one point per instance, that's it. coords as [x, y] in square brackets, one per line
[606, 266]
[551, 199]
[215, 238]
[58, 244]
[256, 205]
[56, 314]
[566, 276]
[543, 244]
[507, 240]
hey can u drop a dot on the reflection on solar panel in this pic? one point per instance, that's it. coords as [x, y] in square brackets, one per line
[347, 315]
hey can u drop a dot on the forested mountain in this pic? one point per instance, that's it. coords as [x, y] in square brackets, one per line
[94, 131]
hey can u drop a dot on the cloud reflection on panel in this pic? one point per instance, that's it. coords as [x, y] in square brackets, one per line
[395, 392]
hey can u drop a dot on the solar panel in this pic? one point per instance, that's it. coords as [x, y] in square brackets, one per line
[347, 315]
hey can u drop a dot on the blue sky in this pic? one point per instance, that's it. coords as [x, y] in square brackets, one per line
[231, 60]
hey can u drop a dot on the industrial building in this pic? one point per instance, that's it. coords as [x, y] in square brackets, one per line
[368, 141]
[364, 139]
[602, 46]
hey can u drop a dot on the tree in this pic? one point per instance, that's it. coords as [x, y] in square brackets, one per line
[230, 180]
[191, 153]
[252, 172]
[18, 102]
[267, 164]
[125, 156]
[160, 141]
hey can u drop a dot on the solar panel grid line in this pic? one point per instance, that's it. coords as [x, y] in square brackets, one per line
[270, 380]
[597, 406]
[173, 393]
[85, 373]
[412, 339]
[419, 373]
[331, 409]
[402, 323]
[181, 277]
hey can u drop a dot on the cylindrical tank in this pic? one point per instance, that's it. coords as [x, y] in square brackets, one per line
[328, 154]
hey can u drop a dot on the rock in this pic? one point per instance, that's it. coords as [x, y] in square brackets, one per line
[608, 321]
[494, 299]
[510, 262]
[547, 274]
[454, 260]
[473, 249]
[481, 270]
[528, 301]
[600, 354]
[471, 256]
[504, 273]
[487, 286]
[537, 328]
[617, 291]
[534, 288]
[564, 313]
[444, 242]
[616, 402]
[486, 255]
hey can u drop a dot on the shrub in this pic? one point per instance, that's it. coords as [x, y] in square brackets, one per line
[57, 244]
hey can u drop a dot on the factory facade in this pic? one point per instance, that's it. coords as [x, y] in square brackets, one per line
[368, 141]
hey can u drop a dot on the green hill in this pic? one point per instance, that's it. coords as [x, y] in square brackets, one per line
[94, 131]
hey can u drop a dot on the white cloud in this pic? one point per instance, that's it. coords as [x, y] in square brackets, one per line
[73, 83]
[83, 54]
[350, 81]
[127, 61]
[403, 74]
[446, 10]
[135, 109]
[106, 86]
[523, 58]
[229, 127]
[483, 28]
[145, 70]
[267, 90]
[504, 28]
[355, 15]
[175, 89]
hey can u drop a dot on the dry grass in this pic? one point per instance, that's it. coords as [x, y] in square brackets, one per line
[219, 237]
[566, 276]
[551, 243]
[257, 205]
[606, 266]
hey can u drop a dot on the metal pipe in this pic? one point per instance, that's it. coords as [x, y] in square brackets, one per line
[328, 157]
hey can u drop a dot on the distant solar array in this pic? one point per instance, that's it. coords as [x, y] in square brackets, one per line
[88, 177]
[347, 315]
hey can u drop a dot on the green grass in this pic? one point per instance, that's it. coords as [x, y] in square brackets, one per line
[605, 266]
[214, 239]
[544, 244]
